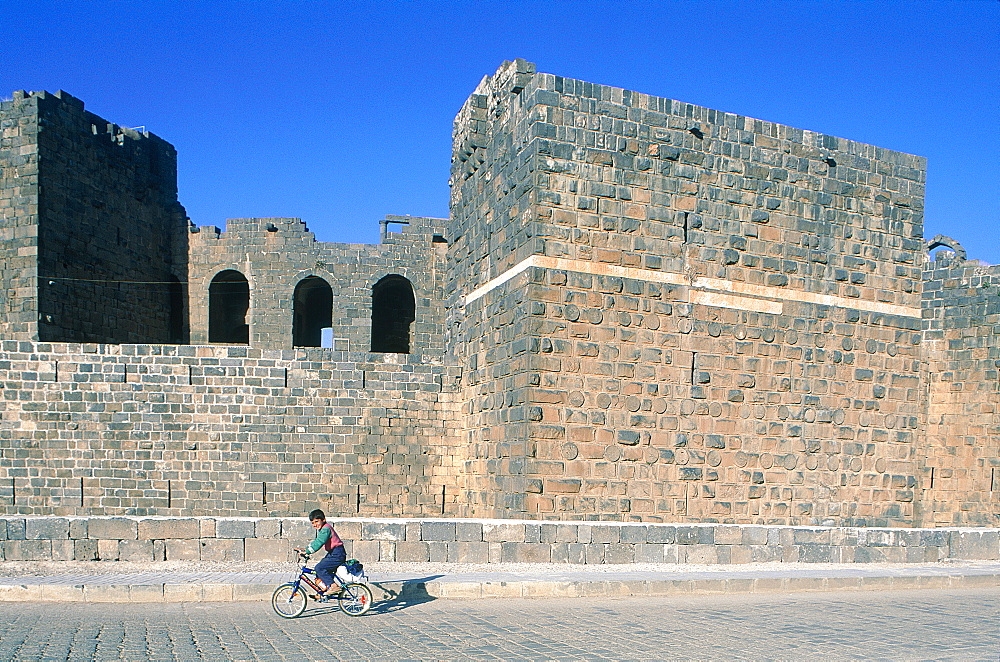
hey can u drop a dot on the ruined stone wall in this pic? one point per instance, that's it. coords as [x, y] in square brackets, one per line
[111, 236]
[961, 454]
[19, 216]
[716, 318]
[161, 430]
[275, 254]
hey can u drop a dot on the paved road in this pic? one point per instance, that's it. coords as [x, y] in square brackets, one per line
[924, 624]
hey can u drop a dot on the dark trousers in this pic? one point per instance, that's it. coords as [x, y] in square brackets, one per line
[328, 565]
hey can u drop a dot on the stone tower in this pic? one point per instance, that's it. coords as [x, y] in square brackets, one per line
[94, 242]
[675, 313]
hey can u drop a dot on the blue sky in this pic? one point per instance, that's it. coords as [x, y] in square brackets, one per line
[340, 113]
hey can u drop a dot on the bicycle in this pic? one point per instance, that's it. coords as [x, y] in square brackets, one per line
[289, 600]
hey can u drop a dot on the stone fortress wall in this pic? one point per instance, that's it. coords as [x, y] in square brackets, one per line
[639, 310]
[94, 242]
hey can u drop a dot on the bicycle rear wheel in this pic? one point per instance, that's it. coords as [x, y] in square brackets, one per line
[355, 599]
[288, 602]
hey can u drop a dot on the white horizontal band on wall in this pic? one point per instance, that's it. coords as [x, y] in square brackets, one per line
[718, 292]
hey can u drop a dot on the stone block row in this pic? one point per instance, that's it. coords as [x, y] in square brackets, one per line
[481, 541]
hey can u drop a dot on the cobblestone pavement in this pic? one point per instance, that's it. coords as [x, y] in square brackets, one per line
[924, 624]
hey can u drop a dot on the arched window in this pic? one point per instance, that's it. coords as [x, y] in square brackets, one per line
[312, 311]
[228, 303]
[393, 310]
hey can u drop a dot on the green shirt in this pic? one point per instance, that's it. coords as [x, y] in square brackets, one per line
[322, 535]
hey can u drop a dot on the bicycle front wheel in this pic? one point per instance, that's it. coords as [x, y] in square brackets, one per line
[287, 601]
[355, 599]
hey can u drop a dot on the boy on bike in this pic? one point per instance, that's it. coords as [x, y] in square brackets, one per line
[328, 539]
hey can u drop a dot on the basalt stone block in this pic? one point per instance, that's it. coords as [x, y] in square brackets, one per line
[552, 533]
[438, 531]
[85, 550]
[364, 550]
[112, 528]
[27, 550]
[136, 550]
[234, 528]
[620, 553]
[754, 535]
[523, 552]
[817, 553]
[811, 536]
[162, 529]
[412, 552]
[650, 553]
[63, 550]
[503, 532]
[222, 549]
[469, 531]
[267, 549]
[437, 551]
[383, 531]
[690, 535]
[46, 528]
[633, 533]
[346, 529]
[568, 552]
[267, 528]
[604, 533]
[183, 550]
[107, 550]
[728, 535]
[15, 529]
[971, 544]
[659, 533]
[78, 528]
[297, 529]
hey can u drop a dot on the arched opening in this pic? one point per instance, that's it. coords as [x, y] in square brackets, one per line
[177, 318]
[943, 241]
[312, 311]
[393, 310]
[228, 303]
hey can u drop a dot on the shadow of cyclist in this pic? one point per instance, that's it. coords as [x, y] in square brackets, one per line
[412, 592]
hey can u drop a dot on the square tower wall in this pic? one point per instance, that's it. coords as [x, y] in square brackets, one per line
[667, 312]
[94, 238]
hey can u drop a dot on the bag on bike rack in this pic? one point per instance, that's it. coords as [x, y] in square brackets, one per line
[357, 571]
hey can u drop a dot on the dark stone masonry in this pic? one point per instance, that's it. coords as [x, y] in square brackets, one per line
[639, 310]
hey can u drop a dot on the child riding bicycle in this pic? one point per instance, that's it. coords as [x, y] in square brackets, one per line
[327, 538]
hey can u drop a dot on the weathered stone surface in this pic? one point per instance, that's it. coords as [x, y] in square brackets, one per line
[49, 528]
[140, 551]
[235, 528]
[267, 549]
[162, 529]
[183, 550]
[113, 528]
[221, 549]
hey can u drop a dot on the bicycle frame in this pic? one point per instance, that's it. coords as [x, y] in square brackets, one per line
[311, 581]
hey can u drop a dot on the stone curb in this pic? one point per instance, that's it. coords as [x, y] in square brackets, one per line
[475, 590]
